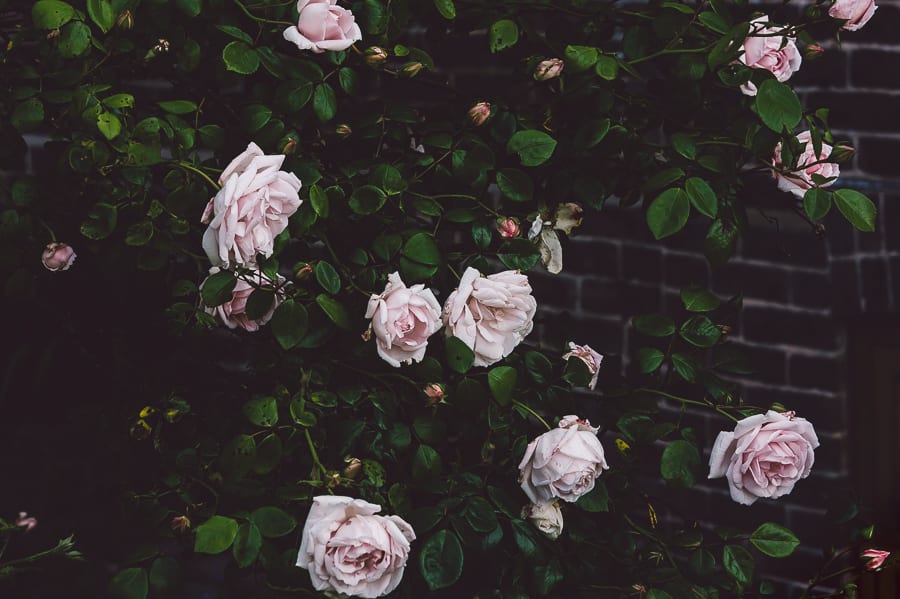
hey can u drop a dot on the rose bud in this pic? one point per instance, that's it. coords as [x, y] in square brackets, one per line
[411, 69]
[180, 523]
[288, 143]
[58, 256]
[874, 558]
[302, 270]
[28, 522]
[813, 51]
[549, 69]
[343, 130]
[842, 153]
[546, 517]
[125, 20]
[375, 56]
[508, 227]
[479, 113]
[435, 393]
[353, 468]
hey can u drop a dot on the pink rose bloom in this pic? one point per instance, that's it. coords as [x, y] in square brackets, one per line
[58, 256]
[25, 521]
[590, 358]
[348, 549]
[250, 210]
[562, 463]
[874, 558]
[856, 13]
[233, 313]
[490, 314]
[403, 318]
[546, 517]
[765, 456]
[798, 181]
[323, 26]
[777, 54]
[549, 69]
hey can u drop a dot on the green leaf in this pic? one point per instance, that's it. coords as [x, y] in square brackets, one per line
[459, 355]
[301, 416]
[119, 101]
[426, 463]
[441, 560]
[247, 544]
[655, 325]
[217, 289]
[262, 411]
[590, 133]
[539, 367]
[255, 116]
[524, 536]
[51, 14]
[697, 299]
[178, 106]
[28, 115]
[649, 359]
[109, 125]
[668, 213]
[237, 457]
[658, 594]
[289, 323]
[518, 254]
[816, 203]
[739, 563]
[189, 7]
[702, 197]
[515, 185]
[389, 179]
[607, 67]
[319, 200]
[273, 522]
[503, 34]
[446, 8]
[240, 58]
[856, 208]
[685, 366]
[215, 535]
[268, 454]
[102, 14]
[259, 303]
[685, 145]
[595, 501]
[130, 583]
[479, 514]
[139, 234]
[778, 105]
[719, 242]
[165, 576]
[367, 199]
[502, 382]
[422, 248]
[328, 277]
[235, 33]
[774, 540]
[680, 463]
[533, 147]
[324, 102]
[580, 58]
[101, 221]
[700, 331]
[662, 179]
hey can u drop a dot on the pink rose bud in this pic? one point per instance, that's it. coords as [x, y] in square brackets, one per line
[125, 20]
[435, 393]
[813, 51]
[874, 558]
[353, 468]
[323, 26]
[479, 113]
[375, 56]
[411, 69]
[302, 271]
[855, 13]
[343, 130]
[549, 69]
[180, 523]
[25, 521]
[58, 256]
[508, 227]
[289, 143]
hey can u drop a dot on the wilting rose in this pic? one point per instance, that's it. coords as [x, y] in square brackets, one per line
[567, 217]
[508, 227]
[403, 318]
[323, 26]
[874, 558]
[562, 463]
[590, 358]
[479, 113]
[801, 179]
[348, 549]
[765, 456]
[856, 13]
[233, 313]
[250, 210]
[25, 521]
[58, 256]
[546, 517]
[764, 49]
[490, 314]
[549, 69]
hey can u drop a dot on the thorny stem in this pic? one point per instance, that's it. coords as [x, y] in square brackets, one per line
[528, 409]
[313, 452]
[260, 19]
[692, 402]
[191, 167]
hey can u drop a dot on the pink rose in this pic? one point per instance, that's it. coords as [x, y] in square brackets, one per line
[508, 227]
[403, 318]
[348, 549]
[250, 210]
[233, 313]
[323, 26]
[58, 256]
[777, 54]
[856, 13]
[874, 558]
[490, 314]
[546, 517]
[799, 180]
[549, 69]
[765, 456]
[590, 358]
[562, 463]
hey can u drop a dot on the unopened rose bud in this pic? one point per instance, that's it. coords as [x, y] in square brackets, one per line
[549, 69]
[353, 468]
[813, 51]
[411, 69]
[724, 328]
[479, 113]
[841, 153]
[302, 271]
[53, 34]
[25, 521]
[288, 143]
[508, 227]
[125, 20]
[375, 56]
[435, 393]
[58, 256]
[343, 130]
[180, 523]
[334, 479]
[874, 558]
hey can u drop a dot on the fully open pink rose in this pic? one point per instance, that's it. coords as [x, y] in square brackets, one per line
[590, 358]
[58, 256]
[546, 517]
[765, 456]
[562, 463]
[777, 54]
[798, 181]
[233, 313]
[403, 318]
[250, 210]
[323, 26]
[856, 13]
[348, 549]
[490, 314]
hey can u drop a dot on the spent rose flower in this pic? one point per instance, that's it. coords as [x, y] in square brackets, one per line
[562, 463]
[549, 69]
[25, 521]
[323, 26]
[233, 313]
[250, 210]
[348, 549]
[58, 256]
[590, 358]
[874, 558]
[508, 227]
[567, 217]
[546, 517]
[801, 179]
[764, 49]
[479, 113]
[403, 318]
[765, 456]
[490, 314]
[856, 13]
